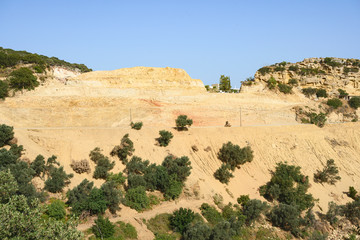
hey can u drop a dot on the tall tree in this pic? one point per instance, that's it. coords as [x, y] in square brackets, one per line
[224, 83]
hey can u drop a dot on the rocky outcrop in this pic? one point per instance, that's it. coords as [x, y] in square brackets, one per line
[328, 73]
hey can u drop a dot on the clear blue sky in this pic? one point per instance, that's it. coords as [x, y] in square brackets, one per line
[206, 38]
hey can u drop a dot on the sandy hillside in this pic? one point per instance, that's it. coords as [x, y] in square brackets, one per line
[71, 118]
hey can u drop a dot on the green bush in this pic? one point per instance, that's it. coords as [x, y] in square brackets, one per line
[112, 196]
[309, 91]
[56, 210]
[136, 165]
[181, 218]
[117, 178]
[223, 173]
[173, 189]
[331, 62]
[136, 126]
[286, 217]
[317, 119]
[279, 69]
[197, 231]
[352, 193]
[253, 209]
[354, 102]
[103, 164]
[57, 180]
[165, 138]
[287, 185]
[210, 214]
[243, 199]
[264, 70]
[22, 78]
[293, 82]
[4, 90]
[271, 83]
[6, 134]
[126, 230]
[180, 167]
[234, 155]
[351, 211]
[136, 198]
[284, 88]
[330, 173]
[333, 212]
[103, 228]
[125, 149]
[321, 93]
[342, 93]
[135, 180]
[334, 102]
[78, 197]
[8, 186]
[182, 122]
[38, 165]
[294, 68]
[96, 202]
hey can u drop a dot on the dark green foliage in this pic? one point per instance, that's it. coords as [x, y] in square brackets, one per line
[294, 68]
[56, 210]
[317, 119]
[234, 155]
[198, 231]
[125, 230]
[38, 165]
[271, 83]
[342, 93]
[287, 185]
[253, 209]
[8, 186]
[16, 150]
[173, 189]
[136, 198]
[207, 87]
[333, 212]
[352, 193]
[309, 91]
[222, 230]
[224, 84]
[22, 78]
[243, 199]
[182, 122]
[321, 93]
[4, 90]
[181, 218]
[293, 82]
[39, 68]
[334, 102]
[103, 164]
[223, 173]
[351, 211]
[125, 149]
[103, 228]
[156, 178]
[118, 179]
[6, 134]
[78, 197]
[286, 217]
[316, 235]
[136, 126]
[136, 165]
[279, 69]
[135, 181]
[9, 58]
[210, 214]
[57, 180]
[180, 167]
[354, 102]
[352, 69]
[330, 173]
[164, 236]
[165, 138]
[331, 62]
[112, 196]
[284, 88]
[311, 71]
[264, 70]
[96, 201]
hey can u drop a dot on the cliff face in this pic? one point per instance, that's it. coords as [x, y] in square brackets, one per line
[328, 73]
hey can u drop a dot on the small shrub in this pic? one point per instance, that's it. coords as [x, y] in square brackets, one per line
[117, 178]
[182, 122]
[351, 211]
[286, 217]
[103, 164]
[165, 138]
[125, 149]
[112, 196]
[78, 197]
[321, 93]
[309, 91]
[354, 102]
[330, 173]
[279, 69]
[38, 165]
[293, 82]
[198, 231]
[317, 119]
[333, 212]
[271, 83]
[173, 189]
[243, 199]
[164, 236]
[103, 228]
[181, 219]
[96, 202]
[4, 90]
[210, 214]
[8, 186]
[56, 210]
[6, 134]
[331, 62]
[179, 167]
[57, 180]
[334, 102]
[136, 165]
[82, 166]
[284, 88]
[223, 173]
[126, 230]
[294, 68]
[136, 126]
[264, 70]
[352, 193]
[253, 209]
[342, 93]
[136, 198]
[22, 78]
[234, 155]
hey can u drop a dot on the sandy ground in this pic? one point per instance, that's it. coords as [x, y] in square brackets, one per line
[71, 125]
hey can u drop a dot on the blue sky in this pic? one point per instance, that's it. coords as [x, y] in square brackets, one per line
[206, 38]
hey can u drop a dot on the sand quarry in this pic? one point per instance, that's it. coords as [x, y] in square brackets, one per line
[69, 118]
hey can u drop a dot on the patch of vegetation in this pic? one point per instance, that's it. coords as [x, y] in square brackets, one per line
[21, 79]
[293, 82]
[309, 91]
[321, 93]
[317, 119]
[223, 173]
[284, 88]
[137, 199]
[264, 70]
[342, 93]
[331, 62]
[181, 218]
[82, 166]
[103, 164]
[224, 83]
[334, 103]
[4, 89]
[56, 210]
[353, 193]
[311, 71]
[271, 83]
[125, 149]
[183, 122]
[125, 231]
[136, 126]
[279, 69]
[286, 217]
[354, 102]
[165, 138]
[252, 210]
[352, 70]
[6, 134]
[103, 228]
[235, 156]
[289, 186]
[211, 214]
[330, 173]
[57, 180]
[294, 68]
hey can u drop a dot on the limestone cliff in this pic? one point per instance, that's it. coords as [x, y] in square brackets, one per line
[329, 73]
